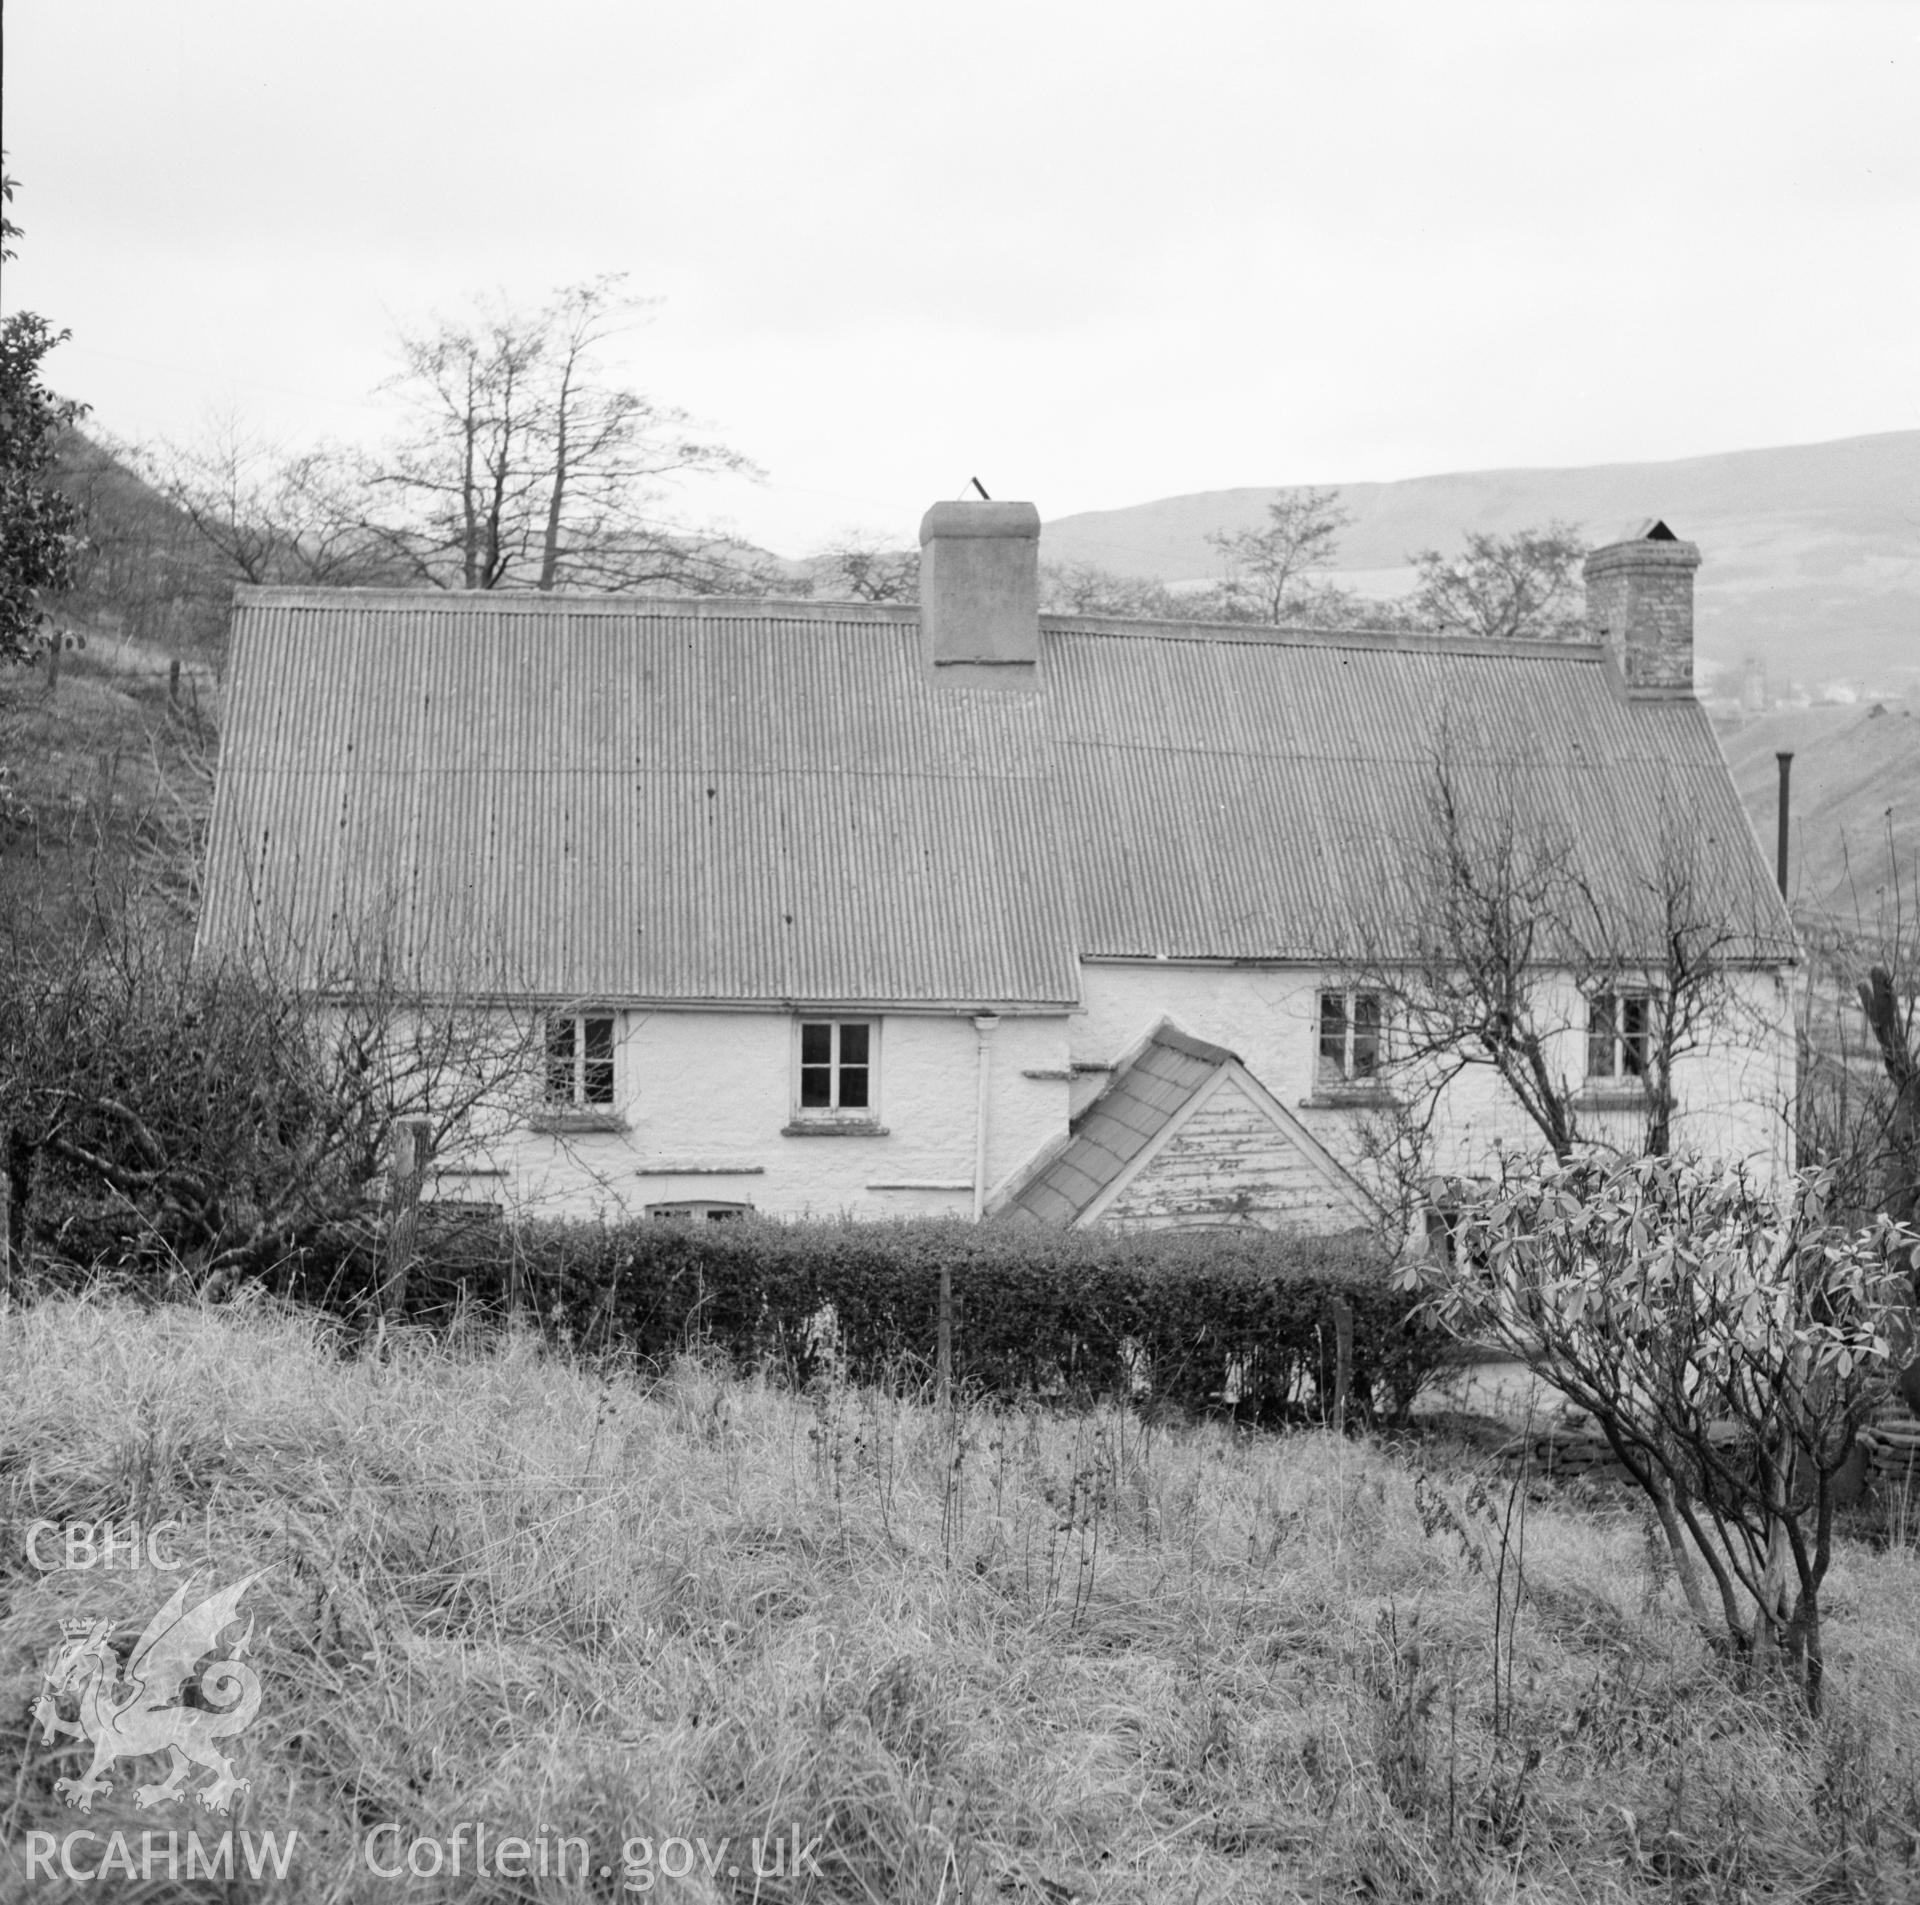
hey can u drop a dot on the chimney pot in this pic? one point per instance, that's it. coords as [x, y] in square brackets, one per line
[980, 592]
[1640, 608]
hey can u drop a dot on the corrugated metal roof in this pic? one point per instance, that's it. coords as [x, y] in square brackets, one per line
[1244, 795]
[633, 799]
[643, 798]
[1133, 1109]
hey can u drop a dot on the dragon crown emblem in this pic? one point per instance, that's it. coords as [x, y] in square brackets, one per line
[136, 1708]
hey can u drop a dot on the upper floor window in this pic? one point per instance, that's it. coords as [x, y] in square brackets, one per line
[579, 1060]
[1351, 1045]
[837, 1066]
[1619, 1034]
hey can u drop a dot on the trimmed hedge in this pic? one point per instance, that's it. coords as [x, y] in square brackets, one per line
[1035, 1311]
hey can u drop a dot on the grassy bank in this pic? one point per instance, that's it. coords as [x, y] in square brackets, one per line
[1060, 1657]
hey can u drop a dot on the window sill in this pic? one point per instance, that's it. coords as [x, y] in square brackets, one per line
[1611, 1095]
[1350, 1098]
[833, 1129]
[579, 1119]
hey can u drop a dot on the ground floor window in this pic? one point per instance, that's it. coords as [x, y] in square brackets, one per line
[837, 1064]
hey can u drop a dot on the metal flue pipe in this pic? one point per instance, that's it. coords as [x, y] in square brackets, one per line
[1785, 757]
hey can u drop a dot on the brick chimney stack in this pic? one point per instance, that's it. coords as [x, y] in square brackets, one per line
[1640, 608]
[980, 592]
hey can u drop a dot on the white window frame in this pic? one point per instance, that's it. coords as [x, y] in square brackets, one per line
[578, 1098]
[1619, 1041]
[835, 1113]
[1345, 1078]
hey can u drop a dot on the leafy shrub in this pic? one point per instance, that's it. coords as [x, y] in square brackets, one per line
[1245, 1319]
[1730, 1336]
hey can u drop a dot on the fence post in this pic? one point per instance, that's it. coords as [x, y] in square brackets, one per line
[1342, 1361]
[6, 1227]
[55, 647]
[944, 1356]
[173, 682]
[16, 1167]
[404, 1221]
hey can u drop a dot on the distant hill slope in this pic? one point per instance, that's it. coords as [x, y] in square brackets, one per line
[1853, 803]
[1811, 553]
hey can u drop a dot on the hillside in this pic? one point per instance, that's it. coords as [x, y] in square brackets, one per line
[106, 782]
[1812, 552]
[1854, 804]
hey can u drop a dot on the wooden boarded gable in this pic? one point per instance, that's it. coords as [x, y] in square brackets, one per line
[1184, 1136]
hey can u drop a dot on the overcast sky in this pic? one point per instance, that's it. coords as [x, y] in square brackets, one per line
[1091, 254]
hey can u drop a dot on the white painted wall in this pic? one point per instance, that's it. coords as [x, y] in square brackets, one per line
[1733, 1093]
[716, 1088]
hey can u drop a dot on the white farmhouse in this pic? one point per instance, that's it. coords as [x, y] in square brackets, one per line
[828, 907]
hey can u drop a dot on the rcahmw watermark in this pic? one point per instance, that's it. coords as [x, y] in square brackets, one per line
[82, 1856]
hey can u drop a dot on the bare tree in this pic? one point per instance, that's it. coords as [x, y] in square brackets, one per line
[1522, 586]
[1889, 1013]
[858, 566]
[1509, 954]
[1859, 1109]
[1465, 974]
[266, 513]
[1674, 935]
[1268, 569]
[1084, 588]
[524, 467]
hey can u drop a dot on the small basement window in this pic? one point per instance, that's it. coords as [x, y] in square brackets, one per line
[1351, 1044]
[1619, 1035]
[579, 1061]
[837, 1065]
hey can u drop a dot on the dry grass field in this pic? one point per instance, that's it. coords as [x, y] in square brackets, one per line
[1035, 1657]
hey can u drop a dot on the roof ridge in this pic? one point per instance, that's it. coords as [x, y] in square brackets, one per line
[572, 602]
[588, 604]
[1268, 635]
[1170, 1035]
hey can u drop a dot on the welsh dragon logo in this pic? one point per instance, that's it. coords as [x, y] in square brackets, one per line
[141, 1710]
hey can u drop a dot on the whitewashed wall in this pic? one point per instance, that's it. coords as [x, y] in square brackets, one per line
[1733, 1093]
[705, 1095]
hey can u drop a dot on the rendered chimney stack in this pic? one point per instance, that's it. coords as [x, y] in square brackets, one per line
[980, 592]
[1640, 605]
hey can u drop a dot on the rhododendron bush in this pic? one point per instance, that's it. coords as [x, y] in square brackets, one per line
[1729, 1338]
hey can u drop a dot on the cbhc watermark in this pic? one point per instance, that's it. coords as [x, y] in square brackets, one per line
[74, 1547]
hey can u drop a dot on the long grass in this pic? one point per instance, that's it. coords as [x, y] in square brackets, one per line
[1018, 1656]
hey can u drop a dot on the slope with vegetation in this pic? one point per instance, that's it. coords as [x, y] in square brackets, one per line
[1853, 807]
